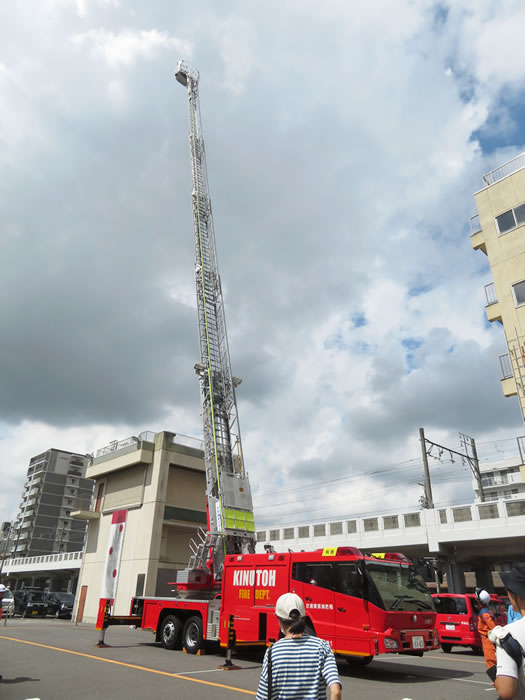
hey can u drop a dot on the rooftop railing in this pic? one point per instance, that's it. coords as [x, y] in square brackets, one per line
[504, 170]
[146, 436]
[180, 439]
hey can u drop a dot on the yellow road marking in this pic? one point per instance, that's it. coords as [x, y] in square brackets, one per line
[122, 663]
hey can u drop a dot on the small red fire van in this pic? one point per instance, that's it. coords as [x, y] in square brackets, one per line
[457, 619]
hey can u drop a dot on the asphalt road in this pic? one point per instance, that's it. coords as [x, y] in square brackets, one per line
[53, 659]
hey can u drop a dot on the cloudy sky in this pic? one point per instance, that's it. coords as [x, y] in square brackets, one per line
[344, 143]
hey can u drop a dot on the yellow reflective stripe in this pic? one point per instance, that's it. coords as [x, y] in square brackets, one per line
[329, 551]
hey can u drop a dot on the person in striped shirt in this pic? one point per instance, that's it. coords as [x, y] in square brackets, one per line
[302, 667]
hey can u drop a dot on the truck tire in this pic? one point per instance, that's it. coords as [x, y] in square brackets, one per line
[359, 660]
[171, 632]
[447, 648]
[192, 635]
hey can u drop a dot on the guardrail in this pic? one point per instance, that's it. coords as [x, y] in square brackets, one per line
[64, 560]
[504, 170]
[408, 526]
[146, 436]
[187, 440]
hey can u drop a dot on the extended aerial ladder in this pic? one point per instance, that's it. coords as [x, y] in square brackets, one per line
[231, 527]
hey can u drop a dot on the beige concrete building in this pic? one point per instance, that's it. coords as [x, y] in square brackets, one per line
[499, 231]
[159, 480]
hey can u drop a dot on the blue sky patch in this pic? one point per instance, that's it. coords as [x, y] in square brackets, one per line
[419, 290]
[505, 125]
[440, 17]
[359, 320]
[412, 343]
[335, 342]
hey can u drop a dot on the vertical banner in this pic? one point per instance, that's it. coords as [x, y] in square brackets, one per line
[113, 554]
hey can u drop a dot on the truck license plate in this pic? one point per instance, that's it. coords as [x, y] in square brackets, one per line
[450, 627]
[418, 642]
[34, 612]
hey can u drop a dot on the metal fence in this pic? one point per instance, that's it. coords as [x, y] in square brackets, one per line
[146, 436]
[504, 170]
[187, 440]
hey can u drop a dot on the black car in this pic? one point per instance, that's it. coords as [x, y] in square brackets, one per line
[60, 604]
[29, 603]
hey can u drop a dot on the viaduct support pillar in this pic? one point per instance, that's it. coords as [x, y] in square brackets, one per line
[455, 577]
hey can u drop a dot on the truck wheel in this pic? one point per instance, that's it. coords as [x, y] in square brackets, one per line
[447, 648]
[171, 632]
[478, 650]
[359, 660]
[192, 635]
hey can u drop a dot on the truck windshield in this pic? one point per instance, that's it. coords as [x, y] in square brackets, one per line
[400, 587]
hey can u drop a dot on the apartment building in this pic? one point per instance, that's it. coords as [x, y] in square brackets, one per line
[54, 487]
[154, 485]
[498, 230]
[503, 479]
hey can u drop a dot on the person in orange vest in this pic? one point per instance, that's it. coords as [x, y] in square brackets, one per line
[486, 622]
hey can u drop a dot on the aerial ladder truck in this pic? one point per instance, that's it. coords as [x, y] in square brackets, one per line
[362, 604]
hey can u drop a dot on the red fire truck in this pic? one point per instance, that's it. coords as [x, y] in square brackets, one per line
[362, 605]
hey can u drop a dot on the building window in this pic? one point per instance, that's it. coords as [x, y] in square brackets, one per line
[303, 531]
[261, 536]
[336, 528]
[274, 535]
[371, 524]
[100, 493]
[351, 526]
[518, 290]
[320, 530]
[412, 520]
[442, 516]
[288, 533]
[391, 522]
[510, 219]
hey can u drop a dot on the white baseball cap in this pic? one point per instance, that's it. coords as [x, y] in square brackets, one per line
[3, 588]
[286, 604]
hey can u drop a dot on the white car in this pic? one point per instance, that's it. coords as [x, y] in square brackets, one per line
[8, 603]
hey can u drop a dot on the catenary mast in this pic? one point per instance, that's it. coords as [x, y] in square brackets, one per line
[229, 503]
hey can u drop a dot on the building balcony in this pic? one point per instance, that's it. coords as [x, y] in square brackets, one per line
[476, 234]
[508, 383]
[492, 307]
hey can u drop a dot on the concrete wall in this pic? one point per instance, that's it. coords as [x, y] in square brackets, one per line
[144, 479]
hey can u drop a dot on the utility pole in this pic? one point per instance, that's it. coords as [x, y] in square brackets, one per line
[474, 462]
[472, 459]
[428, 488]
